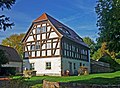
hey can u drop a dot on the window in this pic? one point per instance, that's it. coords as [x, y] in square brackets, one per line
[43, 29]
[64, 30]
[80, 64]
[65, 52]
[38, 30]
[74, 66]
[32, 47]
[32, 66]
[67, 32]
[68, 53]
[73, 48]
[83, 64]
[26, 55]
[37, 46]
[48, 65]
[78, 38]
[48, 45]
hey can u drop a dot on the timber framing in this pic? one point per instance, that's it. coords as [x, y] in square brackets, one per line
[47, 37]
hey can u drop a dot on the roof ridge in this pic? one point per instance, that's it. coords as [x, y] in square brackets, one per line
[44, 16]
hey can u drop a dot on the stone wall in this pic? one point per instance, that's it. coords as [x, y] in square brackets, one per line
[47, 84]
[98, 67]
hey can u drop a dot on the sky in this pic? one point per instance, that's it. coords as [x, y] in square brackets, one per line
[77, 14]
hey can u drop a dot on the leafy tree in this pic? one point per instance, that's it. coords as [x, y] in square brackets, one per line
[97, 55]
[15, 42]
[88, 41]
[3, 58]
[108, 15]
[5, 21]
[91, 44]
[102, 51]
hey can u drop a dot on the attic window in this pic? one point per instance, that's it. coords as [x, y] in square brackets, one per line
[67, 32]
[60, 29]
[64, 30]
[78, 38]
[38, 30]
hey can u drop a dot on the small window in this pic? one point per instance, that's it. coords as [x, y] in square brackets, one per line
[60, 29]
[67, 32]
[64, 30]
[38, 30]
[37, 46]
[48, 65]
[83, 64]
[32, 47]
[74, 66]
[26, 54]
[80, 64]
[43, 29]
[32, 66]
[78, 38]
[48, 45]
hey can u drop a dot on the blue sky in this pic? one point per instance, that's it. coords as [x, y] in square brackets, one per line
[77, 14]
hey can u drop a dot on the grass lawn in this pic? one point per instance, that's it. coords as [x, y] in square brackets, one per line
[102, 78]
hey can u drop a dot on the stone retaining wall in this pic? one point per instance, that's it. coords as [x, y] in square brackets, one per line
[100, 67]
[47, 84]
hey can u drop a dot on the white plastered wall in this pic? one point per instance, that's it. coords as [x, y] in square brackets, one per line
[40, 65]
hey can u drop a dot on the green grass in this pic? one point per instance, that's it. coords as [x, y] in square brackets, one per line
[103, 78]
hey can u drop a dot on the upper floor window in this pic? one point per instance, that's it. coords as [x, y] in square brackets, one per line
[73, 48]
[32, 47]
[41, 29]
[48, 45]
[38, 30]
[37, 46]
[26, 54]
[64, 30]
[78, 38]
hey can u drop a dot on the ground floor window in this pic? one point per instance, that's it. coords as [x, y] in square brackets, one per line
[74, 66]
[48, 65]
[32, 66]
[80, 64]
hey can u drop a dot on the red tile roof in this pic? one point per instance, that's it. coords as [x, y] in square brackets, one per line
[41, 18]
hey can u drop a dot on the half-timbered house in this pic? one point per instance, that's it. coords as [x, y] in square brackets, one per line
[51, 48]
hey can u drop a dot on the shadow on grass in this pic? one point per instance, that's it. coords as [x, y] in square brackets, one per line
[99, 81]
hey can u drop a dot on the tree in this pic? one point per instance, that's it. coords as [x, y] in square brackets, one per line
[15, 42]
[5, 21]
[88, 41]
[108, 15]
[102, 51]
[97, 55]
[91, 44]
[3, 58]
